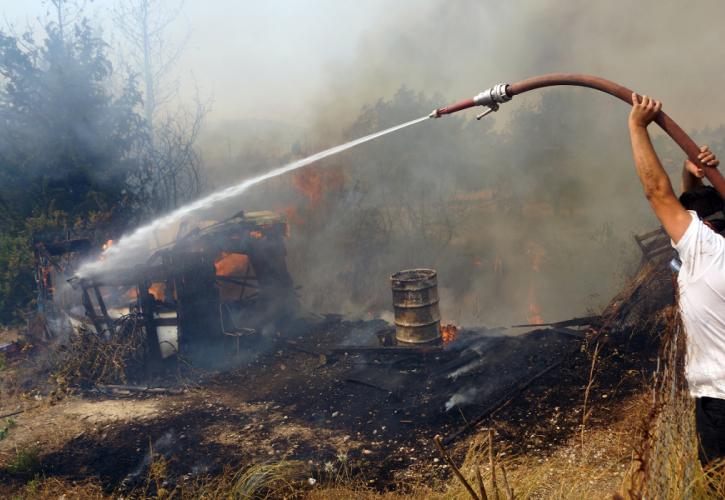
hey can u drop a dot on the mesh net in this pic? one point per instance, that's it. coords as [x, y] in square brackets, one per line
[667, 465]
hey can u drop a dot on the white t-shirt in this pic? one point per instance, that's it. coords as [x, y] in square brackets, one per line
[702, 304]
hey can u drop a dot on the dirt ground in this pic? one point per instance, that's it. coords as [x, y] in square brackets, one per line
[294, 405]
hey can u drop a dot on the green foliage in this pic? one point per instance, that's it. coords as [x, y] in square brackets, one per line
[16, 275]
[25, 462]
[5, 430]
[17, 260]
[68, 148]
[66, 140]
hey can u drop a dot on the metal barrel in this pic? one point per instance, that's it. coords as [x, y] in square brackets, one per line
[415, 300]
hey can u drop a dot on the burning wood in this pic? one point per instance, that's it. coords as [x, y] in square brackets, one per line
[533, 314]
[449, 332]
[158, 291]
[232, 264]
[536, 253]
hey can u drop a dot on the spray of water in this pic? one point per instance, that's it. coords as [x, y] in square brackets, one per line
[132, 248]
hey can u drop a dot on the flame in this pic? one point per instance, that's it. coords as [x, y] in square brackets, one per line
[536, 253]
[231, 264]
[448, 332]
[292, 214]
[534, 312]
[498, 265]
[256, 234]
[158, 291]
[314, 182]
[132, 293]
[105, 247]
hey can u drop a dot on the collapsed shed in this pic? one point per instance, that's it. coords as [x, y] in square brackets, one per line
[218, 282]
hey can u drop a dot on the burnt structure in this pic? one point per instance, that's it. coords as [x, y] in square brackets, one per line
[224, 280]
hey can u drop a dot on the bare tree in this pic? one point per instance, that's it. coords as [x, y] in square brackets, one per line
[144, 24]
[66, 12]
[173, 167]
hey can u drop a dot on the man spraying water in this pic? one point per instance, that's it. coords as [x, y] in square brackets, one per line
[701, 278]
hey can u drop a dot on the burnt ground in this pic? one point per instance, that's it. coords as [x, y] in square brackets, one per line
[313, 396]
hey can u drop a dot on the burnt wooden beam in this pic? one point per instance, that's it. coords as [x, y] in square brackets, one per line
[102, 306]
[146, 302]
[91, 311]
[251, 283]
[393, 350]
[583, 321]
[127, 389]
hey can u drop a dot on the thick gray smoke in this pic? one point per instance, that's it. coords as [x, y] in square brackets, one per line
[529, 216]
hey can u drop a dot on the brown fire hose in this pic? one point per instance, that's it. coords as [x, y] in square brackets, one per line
[594, 82]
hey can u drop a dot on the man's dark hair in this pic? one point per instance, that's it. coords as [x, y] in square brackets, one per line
[704, 200]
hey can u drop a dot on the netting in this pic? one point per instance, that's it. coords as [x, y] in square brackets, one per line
[667, 466]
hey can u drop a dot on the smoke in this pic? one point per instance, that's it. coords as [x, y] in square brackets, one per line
[528, 216]
[462, 397]
[133, 248]
[460, 48]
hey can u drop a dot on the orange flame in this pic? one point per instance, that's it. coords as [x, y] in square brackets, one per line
[231, 264]
[498, 265]
[534, 312]
[313, 182]
[158, 291]
[293, 217]
[536, 253]
[105, 247]
[448, 332]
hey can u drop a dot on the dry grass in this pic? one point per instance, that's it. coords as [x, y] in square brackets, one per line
[57, 488]
[601, 471]
[649, 444]
[269, 480]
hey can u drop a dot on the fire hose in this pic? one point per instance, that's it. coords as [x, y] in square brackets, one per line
[503, 92]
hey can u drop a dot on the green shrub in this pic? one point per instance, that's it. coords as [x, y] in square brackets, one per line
[9, 424]
[26, 462]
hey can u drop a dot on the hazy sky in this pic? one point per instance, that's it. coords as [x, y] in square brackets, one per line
[249, 56]
[279, 59]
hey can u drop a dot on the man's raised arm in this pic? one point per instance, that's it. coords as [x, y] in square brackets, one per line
[655, 182]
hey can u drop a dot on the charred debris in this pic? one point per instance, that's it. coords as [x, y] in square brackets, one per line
[221, 298]
[220, 282]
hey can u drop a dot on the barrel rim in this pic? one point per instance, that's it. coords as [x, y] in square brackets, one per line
[425, 272]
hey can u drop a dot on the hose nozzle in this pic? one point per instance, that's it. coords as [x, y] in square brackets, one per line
[493, 96]
[490, 98]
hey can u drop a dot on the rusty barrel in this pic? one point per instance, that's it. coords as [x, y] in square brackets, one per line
[415, 299]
